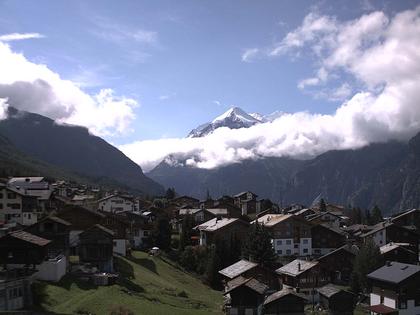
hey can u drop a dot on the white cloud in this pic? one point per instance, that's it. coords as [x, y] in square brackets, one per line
[109, 30]
[36, 88]
[380, 52]
[250, 54]
[3, 108]
[19, 36]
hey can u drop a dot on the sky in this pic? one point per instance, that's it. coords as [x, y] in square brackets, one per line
[142, 74]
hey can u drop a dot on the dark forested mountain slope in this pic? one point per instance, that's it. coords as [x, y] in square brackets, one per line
[74, 149]
[386, 174]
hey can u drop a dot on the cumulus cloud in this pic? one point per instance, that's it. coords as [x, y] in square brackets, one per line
[378, 51]
[19, 36]
[36, 88]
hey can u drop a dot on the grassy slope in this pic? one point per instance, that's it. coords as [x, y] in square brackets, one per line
[150, 286]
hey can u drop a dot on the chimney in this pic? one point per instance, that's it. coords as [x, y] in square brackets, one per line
[388, 263]
[299, 267]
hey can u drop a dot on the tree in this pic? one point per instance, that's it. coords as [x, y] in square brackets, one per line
[376, 216]
[367, 260]
[162, 233]
[368, 218]
[170, 193]
[258, 247]
[213, 267]
[208, 196]
[186, 231]
[356, 216]
[322, 205]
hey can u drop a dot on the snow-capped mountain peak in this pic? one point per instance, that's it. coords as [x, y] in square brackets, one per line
[238, 114]
[234, 118]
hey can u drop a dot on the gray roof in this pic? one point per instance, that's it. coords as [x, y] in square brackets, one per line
[216, 224]
[352, 249]
[279, 294]
[237, 268]
[251, 283]
[376, 228]
[394, 272]
[330, 290]
[296, 267]
[391, 246]
[30, 238]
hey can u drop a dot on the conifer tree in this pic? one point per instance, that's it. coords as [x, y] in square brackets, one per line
[258, 247]
[376, 216]
[367, 260]
[322, 205]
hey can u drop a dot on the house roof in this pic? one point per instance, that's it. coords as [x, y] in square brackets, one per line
[217, 211]
[382, 309]
[391, 246]
[330, 290]
[402, 214]
[318, 215]
[216, 224]
[352, 249]
[189, 211]
[237, 268]
[282, 293]
[34, 179]
[296, 267]
[58, 220]
[333, 229]
[30, 238]
[394, 272]
[377, 227]
[100, 227]
[251, 283]
[243, 193]
[117, 196]
[273, 219]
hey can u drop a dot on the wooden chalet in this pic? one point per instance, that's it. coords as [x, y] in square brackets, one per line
[336, 300]
[245, 296]
[325, 239]
[286, 301]
[96, 247]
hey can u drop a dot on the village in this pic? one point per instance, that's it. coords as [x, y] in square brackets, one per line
[263, 258]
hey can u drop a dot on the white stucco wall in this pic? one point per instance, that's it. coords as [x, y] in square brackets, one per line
[120, 247]
[287, 244]
[52, 270]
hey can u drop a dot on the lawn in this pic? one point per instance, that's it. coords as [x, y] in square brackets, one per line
[149, 285]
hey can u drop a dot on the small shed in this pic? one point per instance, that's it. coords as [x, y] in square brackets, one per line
[336, 300]
[285, 301]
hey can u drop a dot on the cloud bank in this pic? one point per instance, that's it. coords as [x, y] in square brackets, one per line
[36, 88]
[381, 56]
[19, 36]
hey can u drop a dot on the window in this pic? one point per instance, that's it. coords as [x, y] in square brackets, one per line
[13, 206]
[296, 246]
[1, 206]
[288, 252]
[1, 196]
[305, 241]
[305, 250]
[11, 196]
[403, 304]
[279, 252]
[279, 242]
[146, 233]
[114, 243]
[288, 242]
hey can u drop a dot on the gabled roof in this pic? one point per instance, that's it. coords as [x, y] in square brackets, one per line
[26, 179]
[30, 238]
[237, 268]
[394, 272]
[270, 220]
[217, 224]
[333, 229]
[57, 219]
[296, 267]
[318, 215]
[100, 227]
[243, 193]
[391, 246]
[330, 290]
[381, 226]
[116, 196]
[251, 283]
[352, 249]
[282, 293]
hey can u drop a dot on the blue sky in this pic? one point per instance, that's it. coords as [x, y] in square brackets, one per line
[183, 61]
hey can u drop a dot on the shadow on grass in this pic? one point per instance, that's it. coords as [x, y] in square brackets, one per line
[126, 271]
[147, 263]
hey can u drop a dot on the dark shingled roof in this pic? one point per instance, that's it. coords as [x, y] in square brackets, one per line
[251, 283]
[394, 272]
[279, 294]
[237, 268]
[28, 237]
[58, 220]
[330, 290]
[296, 267]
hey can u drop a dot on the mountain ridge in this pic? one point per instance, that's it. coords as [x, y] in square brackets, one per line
[73, 148]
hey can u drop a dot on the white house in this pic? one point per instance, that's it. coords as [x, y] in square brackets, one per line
[116, 203]
[291, 234]
[395, 289]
